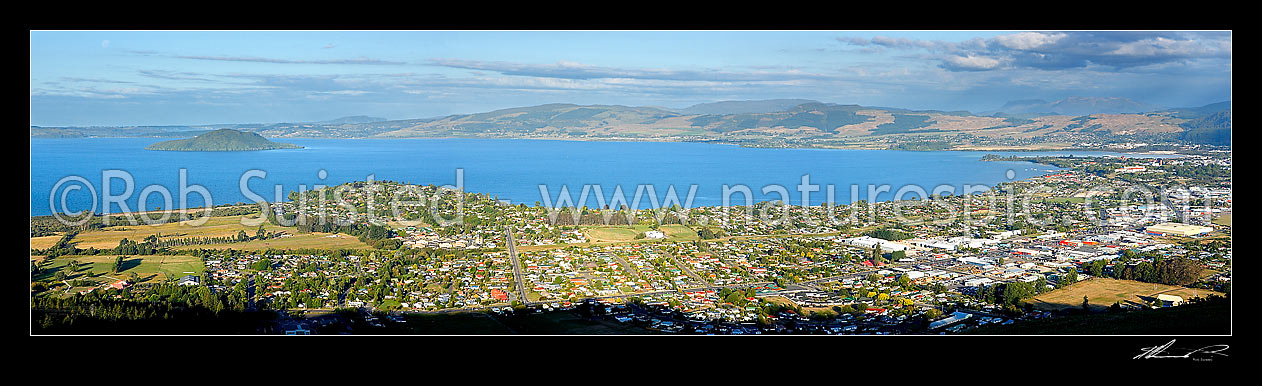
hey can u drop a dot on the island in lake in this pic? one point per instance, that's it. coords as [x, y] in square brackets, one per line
[222, 140]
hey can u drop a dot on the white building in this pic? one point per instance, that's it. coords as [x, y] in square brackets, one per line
[984, 264]
[868, 242]
[1169, 300]
[1007, 234]
[955, 317]
[978, 282]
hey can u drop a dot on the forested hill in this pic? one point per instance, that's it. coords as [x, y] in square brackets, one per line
[222, 140]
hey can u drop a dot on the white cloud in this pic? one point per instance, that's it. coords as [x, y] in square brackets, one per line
[344, 92]
[971, 62]
[1161, 46]
[255, 59]
[1028, 40]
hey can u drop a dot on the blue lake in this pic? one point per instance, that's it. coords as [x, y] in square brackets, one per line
[512, 169]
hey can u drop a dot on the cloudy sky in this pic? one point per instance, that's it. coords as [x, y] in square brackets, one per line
[185, 77]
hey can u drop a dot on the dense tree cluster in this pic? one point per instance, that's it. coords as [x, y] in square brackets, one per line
[106, 309]
[708, 233]
[49, 225]
[889, 234]
[1010, 294]
[1178, 271]
[1200, 172]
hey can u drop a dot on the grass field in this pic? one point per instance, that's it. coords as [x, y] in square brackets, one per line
[805, 310]
[1224, 220]
[1102, 293]
[43, 242]
[602, 235]
[153, 268]
[297, 241]
[628, 232]
[214, 227]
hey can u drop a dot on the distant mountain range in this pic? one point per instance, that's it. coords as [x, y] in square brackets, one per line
[1195, 112]
[222, 140]
[743, 107]
[770, 122]
[1075, 106]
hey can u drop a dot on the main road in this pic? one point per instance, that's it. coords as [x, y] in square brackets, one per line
[512, 255]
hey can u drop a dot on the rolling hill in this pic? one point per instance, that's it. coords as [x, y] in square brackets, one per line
[762, 123]
[351, 119]
[1076, 106]
[806, 122]
[743, 107]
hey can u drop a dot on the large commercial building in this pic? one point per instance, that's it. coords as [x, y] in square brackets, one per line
[869, 242]
[1177, 229]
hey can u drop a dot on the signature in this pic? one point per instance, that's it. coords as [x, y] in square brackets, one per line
[1200, 353]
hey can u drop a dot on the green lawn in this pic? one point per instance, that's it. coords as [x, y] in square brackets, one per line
[389, 304]
[154, 268]
[613, 232]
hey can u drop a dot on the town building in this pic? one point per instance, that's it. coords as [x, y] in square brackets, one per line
[189, 280]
